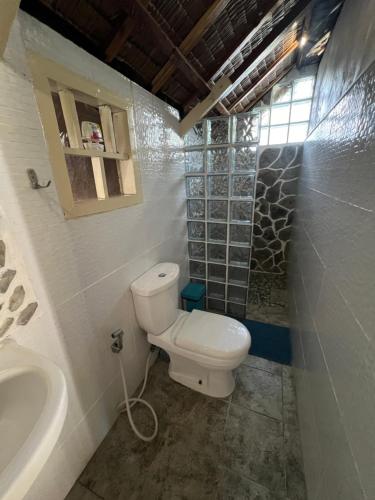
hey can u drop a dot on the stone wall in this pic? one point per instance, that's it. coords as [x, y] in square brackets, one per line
[17, 301]
[276, 190]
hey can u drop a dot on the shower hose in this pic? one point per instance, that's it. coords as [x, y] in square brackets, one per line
[128, 403]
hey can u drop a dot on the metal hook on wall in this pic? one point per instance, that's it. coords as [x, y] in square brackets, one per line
[34, 181]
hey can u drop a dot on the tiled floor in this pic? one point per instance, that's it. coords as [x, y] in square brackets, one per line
[268, 298]
[244, 447]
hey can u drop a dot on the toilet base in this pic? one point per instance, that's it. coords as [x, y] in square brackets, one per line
[215, 383]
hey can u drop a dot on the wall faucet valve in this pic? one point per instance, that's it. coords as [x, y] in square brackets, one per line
[117, 343]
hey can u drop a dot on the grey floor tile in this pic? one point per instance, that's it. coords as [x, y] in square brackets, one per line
[295, 479]
[190, 436]
[253, 448]
[235, 487]
[294, 474]
[120, 463]
[259, 391]
[206, 448]
[175, 402]
[290, 418]
[263, 364]
[79, 492]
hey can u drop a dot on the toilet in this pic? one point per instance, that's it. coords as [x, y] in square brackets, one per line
[204, 348]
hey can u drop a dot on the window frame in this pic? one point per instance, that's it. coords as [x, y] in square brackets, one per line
[289, 102]
[43, 71]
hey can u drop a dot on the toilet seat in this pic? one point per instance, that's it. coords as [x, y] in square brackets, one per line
[213, 335]
[184, 339]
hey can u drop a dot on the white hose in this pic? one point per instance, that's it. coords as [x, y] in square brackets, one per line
[128, 403]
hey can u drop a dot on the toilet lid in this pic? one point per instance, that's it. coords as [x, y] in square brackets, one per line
[213, 335]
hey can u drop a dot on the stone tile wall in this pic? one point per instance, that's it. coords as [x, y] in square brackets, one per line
[276, 190]
[17, 300]
[333, 274]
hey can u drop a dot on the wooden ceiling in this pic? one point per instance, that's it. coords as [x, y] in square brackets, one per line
[180, 49]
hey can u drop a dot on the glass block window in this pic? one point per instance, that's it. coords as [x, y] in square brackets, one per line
[244, 158]
[218, 160]
[218, 186]
[197, 250]
[246, 128]
[241, 211]
[217, 210]
[196, 209]
[217, 131]
[242, 186]
[217, 233]
[217, 253]
[197, 269]
[194, 161]
[195, 136]
[195, 187]
[286, 120]
[216, 290]
[220, 168]
[196, 231]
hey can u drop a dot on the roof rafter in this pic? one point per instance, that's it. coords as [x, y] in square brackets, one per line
[271, 6]
[190, 41]
[119, 39]
[275, 66]
[122, 34]
[251, 62]
[167, 46]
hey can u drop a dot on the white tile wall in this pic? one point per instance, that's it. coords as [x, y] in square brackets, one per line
[81, 269]
[333, 272]
[348, 54]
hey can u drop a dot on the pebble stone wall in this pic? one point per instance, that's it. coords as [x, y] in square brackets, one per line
[17, 303]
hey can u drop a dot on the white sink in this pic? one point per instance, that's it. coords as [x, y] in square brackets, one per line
[33, 405]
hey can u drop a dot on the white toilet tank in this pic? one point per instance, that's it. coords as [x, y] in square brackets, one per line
[155, 295]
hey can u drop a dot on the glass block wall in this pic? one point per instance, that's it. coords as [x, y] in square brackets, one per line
[220, 169]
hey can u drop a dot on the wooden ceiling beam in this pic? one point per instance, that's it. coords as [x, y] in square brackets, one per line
[189, 42]
[252, 61]
[203, 107]
[167, 46]
[197, 80]
[275, 66]
[120, 37]
[269, 87]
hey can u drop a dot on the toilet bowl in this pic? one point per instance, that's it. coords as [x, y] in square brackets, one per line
[203, 347]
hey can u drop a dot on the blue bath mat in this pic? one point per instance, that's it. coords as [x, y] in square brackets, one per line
[269, 341]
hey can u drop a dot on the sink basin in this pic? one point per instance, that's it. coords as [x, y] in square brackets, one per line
[33, 405]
